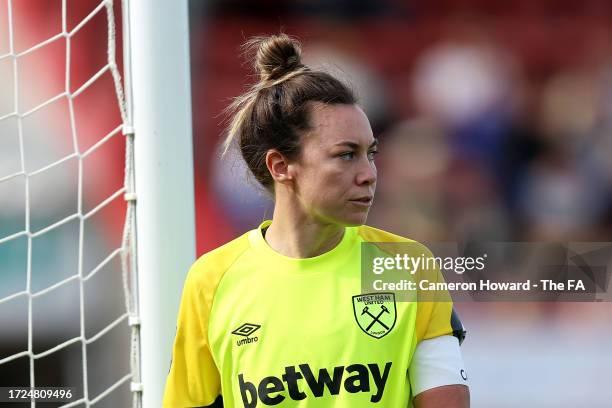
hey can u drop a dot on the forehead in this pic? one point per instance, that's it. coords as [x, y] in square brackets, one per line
[334, 123]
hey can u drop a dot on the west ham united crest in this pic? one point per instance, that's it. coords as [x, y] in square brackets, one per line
[375, 313]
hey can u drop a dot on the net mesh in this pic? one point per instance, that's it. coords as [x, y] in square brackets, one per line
[86, 273]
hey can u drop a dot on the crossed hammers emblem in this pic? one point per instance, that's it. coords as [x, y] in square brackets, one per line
[383, 309]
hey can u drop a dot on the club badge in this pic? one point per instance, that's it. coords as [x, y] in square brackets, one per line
[375, 313]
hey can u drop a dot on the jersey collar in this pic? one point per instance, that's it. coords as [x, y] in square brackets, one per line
[259, 243]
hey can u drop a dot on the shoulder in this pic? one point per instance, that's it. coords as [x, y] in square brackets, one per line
[376, 235]
[371, 234]
[208, 269]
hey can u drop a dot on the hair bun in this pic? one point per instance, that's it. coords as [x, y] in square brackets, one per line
[277, 55]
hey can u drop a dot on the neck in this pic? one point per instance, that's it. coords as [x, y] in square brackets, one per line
[297, 235]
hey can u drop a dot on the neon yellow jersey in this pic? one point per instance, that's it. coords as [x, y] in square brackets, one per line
[256, 328]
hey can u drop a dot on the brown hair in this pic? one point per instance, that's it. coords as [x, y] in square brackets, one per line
[275, 111]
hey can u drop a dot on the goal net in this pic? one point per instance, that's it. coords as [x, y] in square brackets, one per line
[69, 293]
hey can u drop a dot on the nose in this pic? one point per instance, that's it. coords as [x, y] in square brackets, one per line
[366, 174]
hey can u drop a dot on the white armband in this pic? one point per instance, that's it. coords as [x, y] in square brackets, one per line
[436, 362]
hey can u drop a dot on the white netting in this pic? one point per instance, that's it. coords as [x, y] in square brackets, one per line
[84, 280]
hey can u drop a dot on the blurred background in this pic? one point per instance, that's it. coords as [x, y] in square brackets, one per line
[495, 123]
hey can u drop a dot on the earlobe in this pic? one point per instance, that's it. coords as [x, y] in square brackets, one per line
[289, 174]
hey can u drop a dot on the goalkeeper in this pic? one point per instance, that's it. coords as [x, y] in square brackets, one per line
[277, 316]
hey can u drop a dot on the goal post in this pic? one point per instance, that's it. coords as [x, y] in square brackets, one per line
[158, 97]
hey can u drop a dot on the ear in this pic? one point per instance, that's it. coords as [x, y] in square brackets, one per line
[278, 166]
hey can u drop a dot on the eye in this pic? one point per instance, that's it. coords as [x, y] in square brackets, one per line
[347, 155]
[371, 154]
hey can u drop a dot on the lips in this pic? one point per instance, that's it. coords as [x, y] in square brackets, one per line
[362, 200]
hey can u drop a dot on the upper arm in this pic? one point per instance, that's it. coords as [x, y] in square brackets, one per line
[446, 396]
[193, 380]
[435, 314]
[435, 363]
[437, 374]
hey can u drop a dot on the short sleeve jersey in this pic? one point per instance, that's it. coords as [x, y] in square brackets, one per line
[256, 328]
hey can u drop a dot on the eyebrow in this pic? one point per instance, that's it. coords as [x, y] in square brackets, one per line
[355, 145]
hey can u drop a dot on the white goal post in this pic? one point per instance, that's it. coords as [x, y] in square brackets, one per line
[158, 73]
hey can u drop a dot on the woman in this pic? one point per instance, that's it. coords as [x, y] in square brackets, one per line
[277, 316]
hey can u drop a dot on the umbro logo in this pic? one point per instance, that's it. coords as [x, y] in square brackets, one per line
[246, 330]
